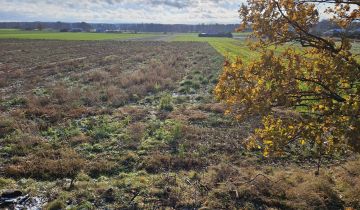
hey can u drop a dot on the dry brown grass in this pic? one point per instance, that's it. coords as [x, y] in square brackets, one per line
[213, 107]
[281, 188]
[47, 164]
[160, 163]
[97, 75]
[3, 82]
[7, 126]
[136, 131]
[187, 115]
[136, 113]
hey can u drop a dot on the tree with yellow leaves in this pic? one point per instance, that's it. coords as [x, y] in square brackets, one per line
[306, 88]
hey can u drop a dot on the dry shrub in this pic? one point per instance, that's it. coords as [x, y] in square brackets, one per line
[55, 205]
[221, 198]
[136, 131]
[213, 107]
[115, 96]
[189, 115]
[37, 101]
[348, 181]
[16, 73]
[136, 113]
[97, 75]
[314, 193]
[143, 81]
[220, 173]
[78, 112]
[36, 79]
[63, 95]
[161, 162]
[50, 113]
[7, 126]
[59, 93]
[48, 164]
[90, 97]
[111, 58]
[23, 144]
[101, 166]
[138, 57]
[79, 139]
[3, 82]
[234, 188]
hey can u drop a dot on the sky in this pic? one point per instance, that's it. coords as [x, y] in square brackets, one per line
[122, 11]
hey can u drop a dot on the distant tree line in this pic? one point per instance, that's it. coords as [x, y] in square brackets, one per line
[142, 27]
[321, 27]
[326, 25]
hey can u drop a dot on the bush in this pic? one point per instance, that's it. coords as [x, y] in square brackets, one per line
[56, 205]
[48, 164]
[6, 127]
[157, 163]
[100, 166]
[86, 205]
[166, 103]
[3, 82]
[6, 182]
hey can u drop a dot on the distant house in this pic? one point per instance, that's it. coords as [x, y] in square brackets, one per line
[229, 35]
[76, 30]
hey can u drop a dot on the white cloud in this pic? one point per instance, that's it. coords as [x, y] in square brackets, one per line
[122, 11]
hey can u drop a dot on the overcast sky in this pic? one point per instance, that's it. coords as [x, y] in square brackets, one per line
[122, 11]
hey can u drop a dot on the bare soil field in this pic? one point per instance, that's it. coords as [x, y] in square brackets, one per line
[134, 125]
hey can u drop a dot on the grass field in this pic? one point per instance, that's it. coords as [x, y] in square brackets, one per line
[232, 48]
[17, 34]
[228, 47]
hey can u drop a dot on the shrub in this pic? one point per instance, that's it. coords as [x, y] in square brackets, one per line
[196, 85]
[187, 82]
[3, 82]
[160, 162]
[184, 89]
[101, 166]
[4, 183]
[15, 102]
[6, 127]
[162, 134]
[136, 113]
[97, 75]
[136, 131]
[103, 127]
[48, 164]
[116, 97]
[21, 144]
[166, 103]
[56, 205]
[86, 205]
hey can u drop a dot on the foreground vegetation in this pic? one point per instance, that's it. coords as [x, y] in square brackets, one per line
[134, 125]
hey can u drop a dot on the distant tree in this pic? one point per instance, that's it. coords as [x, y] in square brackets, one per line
[39, 27]
[85, 26]
[309, 98]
